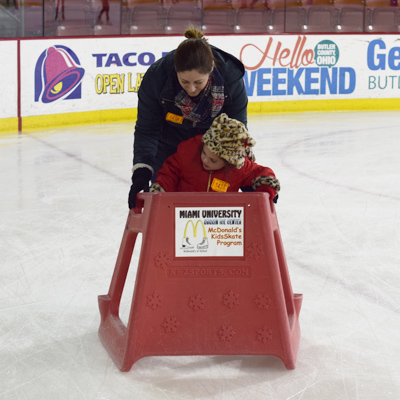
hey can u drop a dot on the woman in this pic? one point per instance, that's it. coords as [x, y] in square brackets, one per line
[179, 98]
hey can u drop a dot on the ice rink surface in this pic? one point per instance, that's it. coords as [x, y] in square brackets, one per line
[63, 209]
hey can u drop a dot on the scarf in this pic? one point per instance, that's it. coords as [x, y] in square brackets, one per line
[208, 103]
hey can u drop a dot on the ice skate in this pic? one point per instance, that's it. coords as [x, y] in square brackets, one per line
[204, 244]
[186, 244]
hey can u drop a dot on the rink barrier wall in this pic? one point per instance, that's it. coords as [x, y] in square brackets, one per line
[8, 125]
[79, 118]
[110, 116]
[86, 80]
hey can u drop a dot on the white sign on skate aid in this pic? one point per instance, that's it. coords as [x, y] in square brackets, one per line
[209, 232]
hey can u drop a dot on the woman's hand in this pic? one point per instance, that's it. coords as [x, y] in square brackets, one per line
[140, 181]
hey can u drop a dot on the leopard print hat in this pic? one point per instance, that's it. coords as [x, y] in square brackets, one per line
[228, 138]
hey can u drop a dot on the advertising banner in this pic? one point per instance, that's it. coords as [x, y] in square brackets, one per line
[317, 67]
[76, 75]
[209, 232]
[70, 75]
[8, 79]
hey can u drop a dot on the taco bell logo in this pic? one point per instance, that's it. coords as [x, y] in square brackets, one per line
[58, 75]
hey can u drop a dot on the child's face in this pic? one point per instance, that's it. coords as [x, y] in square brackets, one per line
[211, 162]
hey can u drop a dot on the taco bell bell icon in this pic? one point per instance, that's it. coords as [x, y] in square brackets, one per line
[60, 75]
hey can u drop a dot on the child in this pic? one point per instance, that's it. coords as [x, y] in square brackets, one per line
[221, 160]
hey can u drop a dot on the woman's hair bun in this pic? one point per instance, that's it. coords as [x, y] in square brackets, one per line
[193, 33]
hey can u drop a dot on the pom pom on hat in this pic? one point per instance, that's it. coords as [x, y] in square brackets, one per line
[228, 138]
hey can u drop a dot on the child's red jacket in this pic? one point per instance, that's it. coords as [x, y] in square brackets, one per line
[184, 172]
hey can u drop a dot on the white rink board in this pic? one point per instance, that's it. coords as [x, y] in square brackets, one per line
[110, 66]
[278, 68]
[8, 79]
[317, 67]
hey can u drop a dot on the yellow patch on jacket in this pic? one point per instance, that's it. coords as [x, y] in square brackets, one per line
[177, 119]
[219, 186]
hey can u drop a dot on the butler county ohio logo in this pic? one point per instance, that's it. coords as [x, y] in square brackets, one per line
[58, 75]
[326, 54]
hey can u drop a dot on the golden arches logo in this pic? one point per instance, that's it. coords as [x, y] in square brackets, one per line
[195, 228]
[186, 242]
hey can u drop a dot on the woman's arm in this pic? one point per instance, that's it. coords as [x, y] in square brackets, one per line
[149, 120]
[236, 105]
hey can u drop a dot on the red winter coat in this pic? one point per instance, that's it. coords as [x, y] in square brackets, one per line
[184, 172]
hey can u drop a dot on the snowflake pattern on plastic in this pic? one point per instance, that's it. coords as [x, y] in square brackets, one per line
[263, 301]
[197, 302]
[170, 324]
[231, 299]
[226, 333]
[162, 260]
[154, 301]
[255, 250]
[264, 334]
